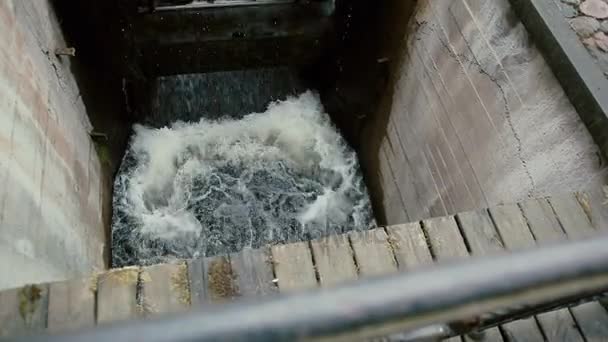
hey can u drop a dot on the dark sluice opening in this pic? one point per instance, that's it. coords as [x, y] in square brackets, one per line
[172, 69]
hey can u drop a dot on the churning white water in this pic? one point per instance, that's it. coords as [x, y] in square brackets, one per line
[215, 187]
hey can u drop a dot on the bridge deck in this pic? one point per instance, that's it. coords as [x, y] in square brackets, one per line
[140, 292]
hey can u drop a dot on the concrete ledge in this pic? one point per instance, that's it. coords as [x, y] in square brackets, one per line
[579, 75]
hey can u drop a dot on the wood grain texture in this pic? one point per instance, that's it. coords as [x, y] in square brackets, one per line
[512, 227]
[117, 295]
[253, 272]
[373, 253]
[559, 326]
[444, 237]
[24, 310]
[489, 335]
[402, 171]
[592, 319]
[479, 232]
[523, 330]
[165, 289]
[72, 304]
[542, 221]
[196, 282]
[409, 245]
[448, 244]
[334, 260]
[293, 267]
[518, 235]
[219, 280]
[572, 217]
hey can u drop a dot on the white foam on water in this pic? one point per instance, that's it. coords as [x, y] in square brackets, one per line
[214, 187]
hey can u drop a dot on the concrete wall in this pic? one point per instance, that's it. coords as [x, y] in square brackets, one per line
[51, 224]
[473, 117]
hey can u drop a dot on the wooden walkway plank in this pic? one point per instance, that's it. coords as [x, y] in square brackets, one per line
[373, 253]
[196, 282]
[117, 295]
[593, 205]
[572, 217]
[447, 243]
[409, 245]
[164, 289]
[72, 304]
[293, 267]
[592, 319]
[253, 273]
[480, 233]
[547, 229]
[523, 330]
[512, 227]
[24, 310]
[444, 237]
[483, 239]
[489, 335]
[558, 324]
[219, 280]
[334, 260]
[542, 220]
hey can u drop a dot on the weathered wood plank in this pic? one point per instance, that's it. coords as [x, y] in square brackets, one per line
[482, 237]
[559, 326]
[480, 233]
[524, 330]
[453, 339]
[24, 310]
[547, 229]
[334, 260]
[196, 282]
[117, 295]
[409, 245]
[373, 253]
[510, 220]
[293, 267]
[165, 289]
[512, 227]
[593, 205]
[444, 237]
[572, 217]
[448, 244]
[253, 272]
[592, 319]
[220, 283]
[489, 335]
[542, 220]
[72, 304]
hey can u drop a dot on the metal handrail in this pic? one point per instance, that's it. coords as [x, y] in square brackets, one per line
[454, 292]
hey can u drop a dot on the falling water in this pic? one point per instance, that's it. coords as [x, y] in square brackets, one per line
[218, 185]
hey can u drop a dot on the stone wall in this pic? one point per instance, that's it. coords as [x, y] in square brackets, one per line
[473, 117]
[51, 179]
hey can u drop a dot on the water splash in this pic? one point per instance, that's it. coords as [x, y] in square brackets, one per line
[215, 187]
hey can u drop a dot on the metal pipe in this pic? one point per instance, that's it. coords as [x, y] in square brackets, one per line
[380, 307]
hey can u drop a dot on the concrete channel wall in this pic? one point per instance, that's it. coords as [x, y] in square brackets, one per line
[51, 224]
[473, 117]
